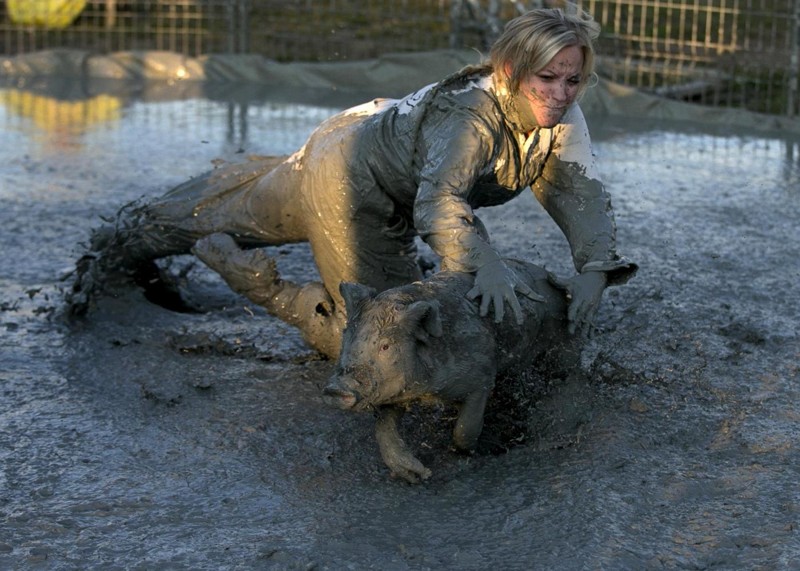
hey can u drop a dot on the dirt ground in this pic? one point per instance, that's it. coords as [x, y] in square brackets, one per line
[146, 438]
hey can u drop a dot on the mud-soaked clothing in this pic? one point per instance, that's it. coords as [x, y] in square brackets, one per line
[373, 177]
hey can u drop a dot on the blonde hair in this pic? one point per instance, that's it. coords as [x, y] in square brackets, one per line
[529, 42]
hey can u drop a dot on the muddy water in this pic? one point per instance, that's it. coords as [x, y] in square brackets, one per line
[145, 438]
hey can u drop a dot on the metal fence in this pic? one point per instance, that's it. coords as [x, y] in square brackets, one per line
[736, 53]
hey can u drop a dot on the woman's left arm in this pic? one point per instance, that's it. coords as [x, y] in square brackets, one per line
[571, 191]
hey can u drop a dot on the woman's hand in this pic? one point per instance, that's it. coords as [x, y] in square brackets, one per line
[584, 292]
[496, 283]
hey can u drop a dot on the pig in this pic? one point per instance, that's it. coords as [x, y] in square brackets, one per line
[426, 340]
[412, 343]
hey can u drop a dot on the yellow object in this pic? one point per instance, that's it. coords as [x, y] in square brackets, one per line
[54, 115]
[56, 14]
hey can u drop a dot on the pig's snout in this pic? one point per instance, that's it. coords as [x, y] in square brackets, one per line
[339, 397]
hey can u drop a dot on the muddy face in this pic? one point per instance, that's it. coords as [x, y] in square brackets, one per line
[551, 91]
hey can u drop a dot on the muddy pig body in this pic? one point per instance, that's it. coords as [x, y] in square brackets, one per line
[427, 340]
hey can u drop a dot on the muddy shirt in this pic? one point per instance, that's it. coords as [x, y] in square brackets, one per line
[451, 148]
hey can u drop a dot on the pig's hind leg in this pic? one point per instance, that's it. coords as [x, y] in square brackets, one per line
[254, 275]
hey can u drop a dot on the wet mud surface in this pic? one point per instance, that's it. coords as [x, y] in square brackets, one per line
[145, 438]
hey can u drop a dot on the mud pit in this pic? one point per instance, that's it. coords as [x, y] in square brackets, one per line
[145, 438]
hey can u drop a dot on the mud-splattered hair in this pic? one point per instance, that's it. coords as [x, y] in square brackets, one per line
[530, 41]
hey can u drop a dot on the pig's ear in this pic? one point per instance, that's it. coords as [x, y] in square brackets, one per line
[354, 294]
[424, 316]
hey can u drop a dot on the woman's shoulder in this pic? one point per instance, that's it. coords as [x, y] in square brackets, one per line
[470, 92]
[472, 100]
[573, 116]
[571, 143]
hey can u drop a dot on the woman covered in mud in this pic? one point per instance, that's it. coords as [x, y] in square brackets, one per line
[372, 178]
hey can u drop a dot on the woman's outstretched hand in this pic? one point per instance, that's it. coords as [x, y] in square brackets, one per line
[584, 292]
[496, 283]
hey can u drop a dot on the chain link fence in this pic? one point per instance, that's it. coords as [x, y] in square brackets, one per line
[734, 53]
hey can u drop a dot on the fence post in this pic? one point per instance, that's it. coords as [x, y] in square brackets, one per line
[495, 23]
[794, 62]
[456, 36]
[238, 40]
[244, 26]
[230, 11]
[111, 13]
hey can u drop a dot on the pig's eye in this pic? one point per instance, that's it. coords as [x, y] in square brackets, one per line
[385, 347]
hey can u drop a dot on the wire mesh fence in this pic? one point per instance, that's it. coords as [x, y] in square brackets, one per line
[736, 53]
[185, 26]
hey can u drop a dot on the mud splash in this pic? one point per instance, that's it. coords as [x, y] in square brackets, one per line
[148, 438]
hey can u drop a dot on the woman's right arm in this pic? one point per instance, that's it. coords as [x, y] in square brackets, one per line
[456, 151]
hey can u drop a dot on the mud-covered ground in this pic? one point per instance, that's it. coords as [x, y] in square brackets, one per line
[145, 438]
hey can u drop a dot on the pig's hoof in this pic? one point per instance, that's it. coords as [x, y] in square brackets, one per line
[412, 477]
[410, 469]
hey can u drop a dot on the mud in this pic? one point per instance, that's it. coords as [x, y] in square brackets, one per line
[146, 438]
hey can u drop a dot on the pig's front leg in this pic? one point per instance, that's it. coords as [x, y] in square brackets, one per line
[470, 421]
[394, 451]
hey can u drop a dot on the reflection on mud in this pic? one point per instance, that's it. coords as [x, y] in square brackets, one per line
[61, 122]
[63, 110]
